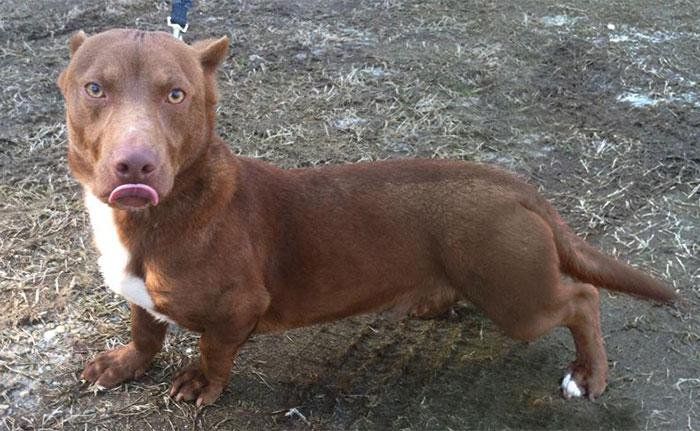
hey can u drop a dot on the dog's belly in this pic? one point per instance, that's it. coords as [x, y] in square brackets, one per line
[114, 259]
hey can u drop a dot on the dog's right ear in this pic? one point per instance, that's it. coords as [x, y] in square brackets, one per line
[76, 40]
[74, 43]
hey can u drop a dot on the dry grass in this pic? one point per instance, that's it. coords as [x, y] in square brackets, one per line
[539, 87]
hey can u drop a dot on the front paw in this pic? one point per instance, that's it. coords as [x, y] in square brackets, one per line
[110, 368]
[191, 383]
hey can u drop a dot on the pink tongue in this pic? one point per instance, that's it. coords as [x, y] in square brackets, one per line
[140, 191]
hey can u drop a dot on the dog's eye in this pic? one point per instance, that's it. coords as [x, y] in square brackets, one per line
[94, 89]
[176, 95]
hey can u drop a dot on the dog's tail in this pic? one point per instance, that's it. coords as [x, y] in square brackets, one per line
[584, 262]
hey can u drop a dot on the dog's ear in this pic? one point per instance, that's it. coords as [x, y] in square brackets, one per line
[212, 52]
[76, 40]
[74, 43]
[61, 82]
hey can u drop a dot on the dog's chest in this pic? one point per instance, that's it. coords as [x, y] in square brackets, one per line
[114, 258]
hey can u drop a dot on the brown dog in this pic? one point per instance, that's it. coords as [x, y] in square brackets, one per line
[228, 246]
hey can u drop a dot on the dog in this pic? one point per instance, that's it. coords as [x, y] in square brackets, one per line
[228, 246]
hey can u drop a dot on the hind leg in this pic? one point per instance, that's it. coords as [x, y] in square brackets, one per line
[516, 280]
[588, 373]
[576, 307]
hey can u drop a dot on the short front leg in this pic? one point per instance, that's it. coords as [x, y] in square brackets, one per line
[206, 380]
[110, 368]
[229, 320]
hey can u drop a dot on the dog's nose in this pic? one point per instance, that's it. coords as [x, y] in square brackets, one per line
[135, 165]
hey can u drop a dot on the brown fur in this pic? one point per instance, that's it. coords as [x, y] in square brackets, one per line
[237, 246]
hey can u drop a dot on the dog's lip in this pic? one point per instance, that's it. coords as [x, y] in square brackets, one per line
[134, 195]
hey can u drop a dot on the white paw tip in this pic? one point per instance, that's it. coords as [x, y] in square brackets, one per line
[570, 388]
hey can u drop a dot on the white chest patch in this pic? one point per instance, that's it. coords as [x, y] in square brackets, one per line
[114, 257]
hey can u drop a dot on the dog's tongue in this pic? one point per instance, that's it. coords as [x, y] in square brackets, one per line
[134, 195]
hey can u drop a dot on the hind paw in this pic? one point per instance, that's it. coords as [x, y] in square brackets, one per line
[579, 383]
[569, 387]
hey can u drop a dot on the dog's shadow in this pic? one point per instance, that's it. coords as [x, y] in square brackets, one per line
[457, 372]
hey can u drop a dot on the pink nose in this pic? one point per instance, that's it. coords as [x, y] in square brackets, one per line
[134, 165]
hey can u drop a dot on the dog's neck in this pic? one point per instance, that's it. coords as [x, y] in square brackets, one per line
[199, 192]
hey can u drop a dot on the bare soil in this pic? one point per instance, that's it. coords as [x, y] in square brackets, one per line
[594, 101]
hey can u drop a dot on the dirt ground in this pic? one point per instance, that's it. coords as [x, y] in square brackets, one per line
[594, 101]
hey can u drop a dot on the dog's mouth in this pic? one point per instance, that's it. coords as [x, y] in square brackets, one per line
[133, 196]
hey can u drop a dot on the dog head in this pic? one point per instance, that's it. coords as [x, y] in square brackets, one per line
[140, 109]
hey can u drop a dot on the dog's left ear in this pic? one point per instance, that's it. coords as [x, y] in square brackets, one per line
[212, 52]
